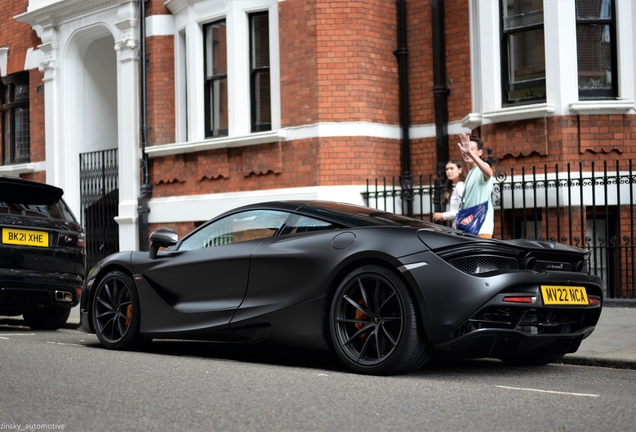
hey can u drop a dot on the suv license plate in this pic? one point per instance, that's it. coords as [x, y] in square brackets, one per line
[25, 237]
[564, 295]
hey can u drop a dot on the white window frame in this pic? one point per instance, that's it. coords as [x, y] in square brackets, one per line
[190, 17]
[561, 65]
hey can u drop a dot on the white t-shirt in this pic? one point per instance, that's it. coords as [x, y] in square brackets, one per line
[452, 206]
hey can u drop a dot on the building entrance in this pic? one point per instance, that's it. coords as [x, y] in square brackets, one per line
[99, 198]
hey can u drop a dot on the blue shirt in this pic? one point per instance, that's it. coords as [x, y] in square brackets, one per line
[476, 191]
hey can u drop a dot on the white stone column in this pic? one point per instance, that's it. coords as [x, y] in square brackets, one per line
[559, 19]
[52, 107]
[128, 126]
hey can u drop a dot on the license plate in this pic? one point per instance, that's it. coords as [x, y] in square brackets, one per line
[564, 295]
[25, 237]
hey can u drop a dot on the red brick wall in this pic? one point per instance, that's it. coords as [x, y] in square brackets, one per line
[156, 7]
[338, 65]
[36, 116]
[337, 62]
[423, 156]
[266, 166]
[181, 228]
[458, 59]
[298, 62]
[353, 160]
[420, 61]
[421, 80]
[561, 140]
[160, 90]
[19, 37]
[39, 176]
[16, 36]
[312, 162]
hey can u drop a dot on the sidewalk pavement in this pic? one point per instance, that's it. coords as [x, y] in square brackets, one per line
[612, 344]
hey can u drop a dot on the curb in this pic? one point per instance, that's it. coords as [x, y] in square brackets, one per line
[615, 303]
[71, 325]
[598, 362]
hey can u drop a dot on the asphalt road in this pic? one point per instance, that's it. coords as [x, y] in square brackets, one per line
[64, 380]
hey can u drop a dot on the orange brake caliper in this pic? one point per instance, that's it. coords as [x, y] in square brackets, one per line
[128, 314]
[360, 316]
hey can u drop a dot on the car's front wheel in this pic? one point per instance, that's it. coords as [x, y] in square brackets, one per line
[374, 324]
[116, 312]
[50, 318]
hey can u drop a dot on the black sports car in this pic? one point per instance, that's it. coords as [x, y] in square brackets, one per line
[385, 292]
[42, 254]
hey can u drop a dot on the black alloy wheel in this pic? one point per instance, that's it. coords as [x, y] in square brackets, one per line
[115, 312]
[374, 325]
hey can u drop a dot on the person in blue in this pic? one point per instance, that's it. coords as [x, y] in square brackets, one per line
[479, 181]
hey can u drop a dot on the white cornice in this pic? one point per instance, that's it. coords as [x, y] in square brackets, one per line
[344, 129]
[522, 112]
[472, 120]
[602, 107]
[59, 12]
[216, 143]
[4, 55]
[318, 130]
[176, 6]
[24, 168]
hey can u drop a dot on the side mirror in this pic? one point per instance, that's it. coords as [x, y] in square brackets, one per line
[163, 237]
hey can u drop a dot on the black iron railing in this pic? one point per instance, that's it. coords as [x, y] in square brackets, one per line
[99, 198]
[589, 207]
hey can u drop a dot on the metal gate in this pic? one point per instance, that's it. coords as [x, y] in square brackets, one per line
[99, 196]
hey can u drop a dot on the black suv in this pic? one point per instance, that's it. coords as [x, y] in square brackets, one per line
[42, 254]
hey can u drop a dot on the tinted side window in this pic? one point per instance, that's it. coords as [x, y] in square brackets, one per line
[304, 224]
[239, 227]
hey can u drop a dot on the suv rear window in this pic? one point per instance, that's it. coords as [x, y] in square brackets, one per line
[57, 210]
[20, 197]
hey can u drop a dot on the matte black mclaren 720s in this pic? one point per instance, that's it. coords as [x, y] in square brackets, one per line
[385, 292]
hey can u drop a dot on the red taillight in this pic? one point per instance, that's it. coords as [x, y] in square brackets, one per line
[594, 301]
[519, 299]
[81, 240]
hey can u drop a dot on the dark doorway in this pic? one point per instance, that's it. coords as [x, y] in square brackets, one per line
[99, 196]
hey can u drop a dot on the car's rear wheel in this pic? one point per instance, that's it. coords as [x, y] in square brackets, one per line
[374, 323]
[116, 312]
[50, 318]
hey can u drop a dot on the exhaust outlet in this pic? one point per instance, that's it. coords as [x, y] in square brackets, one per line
[63, 296]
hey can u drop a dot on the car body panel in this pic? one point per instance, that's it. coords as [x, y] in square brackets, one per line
[449, 307]
[279, 289]
[289, 270]
[216, 285]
